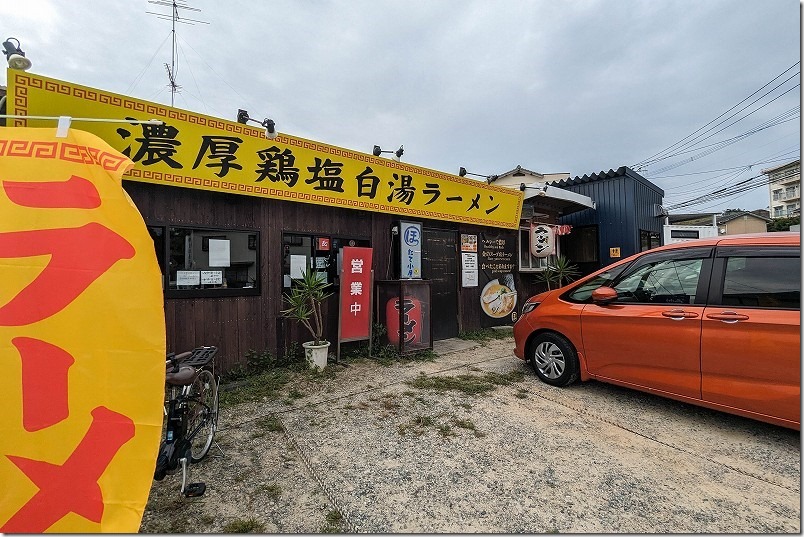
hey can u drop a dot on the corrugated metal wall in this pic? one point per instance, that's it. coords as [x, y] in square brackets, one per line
[624, 206]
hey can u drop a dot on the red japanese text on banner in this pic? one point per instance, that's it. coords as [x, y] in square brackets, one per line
[355, 293]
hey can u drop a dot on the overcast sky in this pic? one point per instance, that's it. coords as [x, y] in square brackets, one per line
[570, 86]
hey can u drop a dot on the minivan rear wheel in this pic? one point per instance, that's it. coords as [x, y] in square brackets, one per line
[554, 359]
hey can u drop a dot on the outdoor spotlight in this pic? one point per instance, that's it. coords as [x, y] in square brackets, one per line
[270, 128]
[15, 56]
[377, 151]
[463, 173]
[268, 124]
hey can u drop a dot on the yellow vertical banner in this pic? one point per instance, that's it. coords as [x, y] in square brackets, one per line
[82, 338]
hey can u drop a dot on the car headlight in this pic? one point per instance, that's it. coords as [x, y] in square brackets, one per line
[529, 306]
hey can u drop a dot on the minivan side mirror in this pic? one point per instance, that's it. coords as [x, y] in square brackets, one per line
[604, 295]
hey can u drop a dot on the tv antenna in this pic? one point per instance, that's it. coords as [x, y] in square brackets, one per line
[174, 17]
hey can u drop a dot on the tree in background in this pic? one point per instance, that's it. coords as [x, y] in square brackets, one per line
[783, 224]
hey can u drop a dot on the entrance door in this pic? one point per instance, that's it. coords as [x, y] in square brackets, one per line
[440, 266]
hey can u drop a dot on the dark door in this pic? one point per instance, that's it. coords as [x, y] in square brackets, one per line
[440, 266]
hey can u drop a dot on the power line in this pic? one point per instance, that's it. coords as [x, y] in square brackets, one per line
[790, 115]
[697, 140]
[712, 121]
[743, 186]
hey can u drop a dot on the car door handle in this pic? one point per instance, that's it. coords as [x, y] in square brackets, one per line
[727, 316]
[678, 315]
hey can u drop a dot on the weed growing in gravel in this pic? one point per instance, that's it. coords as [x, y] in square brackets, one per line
[389, 402]
[469, 425]
[334, 522]
[207, 519]
[267, 424]
[416, 425]
[272, 491]
[464, 424]
[468, 384]
[266, 384]
[251, 525]
[521, 393]
[484, 335]
[445, 430]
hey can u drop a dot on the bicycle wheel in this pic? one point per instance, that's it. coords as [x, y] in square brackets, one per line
[202, 414]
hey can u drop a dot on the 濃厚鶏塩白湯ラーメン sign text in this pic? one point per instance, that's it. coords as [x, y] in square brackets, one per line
[197, 151]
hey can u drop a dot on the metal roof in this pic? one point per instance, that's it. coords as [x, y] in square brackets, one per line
[622, 171]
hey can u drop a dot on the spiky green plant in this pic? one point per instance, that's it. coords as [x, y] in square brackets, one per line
[304, 303]
[559, 272]
[564, 271]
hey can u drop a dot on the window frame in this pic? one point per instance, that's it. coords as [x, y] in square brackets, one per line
[705, 253]
[334, 281]
[723, 253]
[209, 292]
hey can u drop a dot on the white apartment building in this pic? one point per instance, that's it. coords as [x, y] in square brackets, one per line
[784, 184]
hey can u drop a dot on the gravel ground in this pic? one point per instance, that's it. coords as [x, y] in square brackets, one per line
[364, 451]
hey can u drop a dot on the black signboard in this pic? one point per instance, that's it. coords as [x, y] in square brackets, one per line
[497, 260]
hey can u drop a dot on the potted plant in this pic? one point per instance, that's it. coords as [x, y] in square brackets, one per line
[304, 305]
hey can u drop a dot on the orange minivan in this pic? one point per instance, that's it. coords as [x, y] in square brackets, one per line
[714, 322]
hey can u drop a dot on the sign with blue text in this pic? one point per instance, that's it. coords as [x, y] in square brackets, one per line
[410, 241]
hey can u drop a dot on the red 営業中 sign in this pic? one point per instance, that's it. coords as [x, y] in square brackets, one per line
[355, 299]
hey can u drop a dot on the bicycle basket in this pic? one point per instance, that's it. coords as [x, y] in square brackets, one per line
[201, 356]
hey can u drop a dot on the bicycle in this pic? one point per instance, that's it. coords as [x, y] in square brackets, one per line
[191, 412]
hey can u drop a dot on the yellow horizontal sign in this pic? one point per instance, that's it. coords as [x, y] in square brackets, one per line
[197, 151]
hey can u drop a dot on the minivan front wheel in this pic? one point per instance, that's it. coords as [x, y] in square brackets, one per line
[554, 359]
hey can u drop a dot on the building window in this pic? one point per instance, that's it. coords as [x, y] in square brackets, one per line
[207, 261]
[581, 246]
[650, 239]
[684, 234]
[302, 252]
[778, 211]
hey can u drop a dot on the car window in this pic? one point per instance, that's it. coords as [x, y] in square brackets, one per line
[765, 282]
[667, 281]
[583, 292]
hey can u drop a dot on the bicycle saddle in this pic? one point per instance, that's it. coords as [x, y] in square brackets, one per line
[184, 376]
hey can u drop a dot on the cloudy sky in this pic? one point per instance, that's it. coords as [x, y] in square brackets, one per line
[576, 86]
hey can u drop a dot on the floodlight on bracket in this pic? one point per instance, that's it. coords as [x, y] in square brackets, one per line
[15, 56]
[267, 124]
[542, 190]
[463, 173]
[377, 151]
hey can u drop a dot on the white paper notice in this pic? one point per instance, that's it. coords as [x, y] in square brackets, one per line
[211, 277]
[298, 264]
[469, 278]
[468, 269]
[219, 253]
[468, 261]
[188, 277]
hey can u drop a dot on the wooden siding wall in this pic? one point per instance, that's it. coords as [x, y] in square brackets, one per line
[239, 324]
